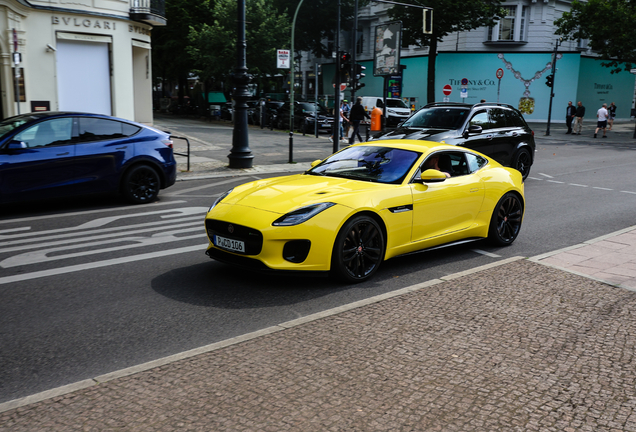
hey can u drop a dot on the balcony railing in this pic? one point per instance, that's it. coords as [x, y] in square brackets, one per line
[152, 12]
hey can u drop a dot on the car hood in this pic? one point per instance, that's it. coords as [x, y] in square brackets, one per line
[417, 134]
[283, 194]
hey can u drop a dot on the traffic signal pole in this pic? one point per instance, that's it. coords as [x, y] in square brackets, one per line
[336, 107]
[554, 60]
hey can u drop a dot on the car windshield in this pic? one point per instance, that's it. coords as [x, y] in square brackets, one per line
[11, 123]
[310, 107]
[368, 163]
[395, 103]
[438, 118]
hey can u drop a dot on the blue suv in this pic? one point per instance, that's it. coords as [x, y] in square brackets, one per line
[59, 154]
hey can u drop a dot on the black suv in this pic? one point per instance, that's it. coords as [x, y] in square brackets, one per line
[496, 130]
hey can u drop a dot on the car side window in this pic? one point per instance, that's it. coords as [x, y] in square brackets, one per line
[514, 119]
[96, 129]
[475, 162]
[481, 119]
[497, 118]
[452, 163]
[47, 133]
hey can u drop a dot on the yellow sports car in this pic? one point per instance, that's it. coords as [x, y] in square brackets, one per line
[365, 204]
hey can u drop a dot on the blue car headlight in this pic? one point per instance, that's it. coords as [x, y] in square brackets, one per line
[302, 214]
[219, 199]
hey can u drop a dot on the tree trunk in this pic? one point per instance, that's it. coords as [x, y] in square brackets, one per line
[432, 56]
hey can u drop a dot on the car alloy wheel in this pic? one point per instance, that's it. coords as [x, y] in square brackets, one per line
[141, 184]
[358, 250]
[522, 162]
[506, 220]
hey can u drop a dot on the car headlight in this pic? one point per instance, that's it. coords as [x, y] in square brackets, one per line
[219, 199]
[391, 111]
[302, 214]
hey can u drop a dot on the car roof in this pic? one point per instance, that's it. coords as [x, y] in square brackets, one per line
[51, 114]
[465, 105]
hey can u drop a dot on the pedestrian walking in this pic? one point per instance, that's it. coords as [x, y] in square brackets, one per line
[602, 116]
[570, 112]
[343, 120]
[612, 115]
[356, 116]
[346, 110]
[578, 117]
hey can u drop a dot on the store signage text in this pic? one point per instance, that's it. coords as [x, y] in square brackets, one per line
[84, 22]
[96, 24]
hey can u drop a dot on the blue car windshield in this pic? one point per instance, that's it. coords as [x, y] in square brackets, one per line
[438, 118]
[368, 163]
[12, 123]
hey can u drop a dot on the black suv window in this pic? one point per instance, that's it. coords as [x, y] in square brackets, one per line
[95, 129]
[481, 119]
[497, 118]
[438, 118]
[513, 119]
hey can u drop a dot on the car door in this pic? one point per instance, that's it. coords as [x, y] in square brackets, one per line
[449, 206]
[481, 142]
[43, 167]
[103, 146]
[506, 136]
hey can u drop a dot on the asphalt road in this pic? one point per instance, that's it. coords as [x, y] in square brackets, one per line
[92, 287]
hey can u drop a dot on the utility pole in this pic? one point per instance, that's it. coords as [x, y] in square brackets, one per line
[336, 107]
[551, 85]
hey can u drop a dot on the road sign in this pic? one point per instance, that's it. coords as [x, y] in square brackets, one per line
[343, 86]
[447, 90]
[500, 73]
[464, 93]
[464, 81]
[283, 59]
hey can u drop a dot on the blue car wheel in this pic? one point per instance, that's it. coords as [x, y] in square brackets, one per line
[141, 184]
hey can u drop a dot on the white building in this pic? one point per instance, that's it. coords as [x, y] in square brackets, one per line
[78, 55]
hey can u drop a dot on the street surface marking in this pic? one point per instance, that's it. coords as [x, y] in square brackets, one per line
[546, 175]
[579, 185]
[98, 264]
[488, 254]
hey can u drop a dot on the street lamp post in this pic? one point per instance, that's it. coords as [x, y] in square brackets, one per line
[291, 90]
[241, 156]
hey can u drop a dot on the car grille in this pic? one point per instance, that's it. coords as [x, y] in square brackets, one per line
[252, 238]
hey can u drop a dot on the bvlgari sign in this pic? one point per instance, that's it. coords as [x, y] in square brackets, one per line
[88, 23]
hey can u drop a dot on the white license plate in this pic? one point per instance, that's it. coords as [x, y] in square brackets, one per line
[229, 244]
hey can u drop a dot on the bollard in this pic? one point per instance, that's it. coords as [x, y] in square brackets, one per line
[376, 119]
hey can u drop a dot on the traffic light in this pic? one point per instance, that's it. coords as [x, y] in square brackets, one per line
[359, 71]
[345, 67]
[549, 80]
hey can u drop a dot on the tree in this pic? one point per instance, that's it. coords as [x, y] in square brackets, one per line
[609, 26]
[213, 46]
[449, 16]
[169, 62]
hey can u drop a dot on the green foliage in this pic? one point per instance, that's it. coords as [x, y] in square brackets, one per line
[212, 46]
[316, 22]
[609, 26]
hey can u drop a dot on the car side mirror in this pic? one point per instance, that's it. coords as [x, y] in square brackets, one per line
[432, 176]
[315, 163]
[474, 129]
[15, 145]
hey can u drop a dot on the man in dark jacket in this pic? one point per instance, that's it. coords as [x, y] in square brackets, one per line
[356, 115]
[578, 117]
[570, 111]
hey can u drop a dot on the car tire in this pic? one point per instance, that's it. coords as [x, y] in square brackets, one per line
[506, 219]
[358, 250]
[522, 162]
[141, 184]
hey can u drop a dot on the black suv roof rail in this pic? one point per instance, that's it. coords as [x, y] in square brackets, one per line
[494, 103]
[459, 104]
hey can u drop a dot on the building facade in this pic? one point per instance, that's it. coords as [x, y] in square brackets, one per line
[522, 44]
[78, 55]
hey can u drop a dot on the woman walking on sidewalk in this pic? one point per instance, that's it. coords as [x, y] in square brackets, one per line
[356, 116]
